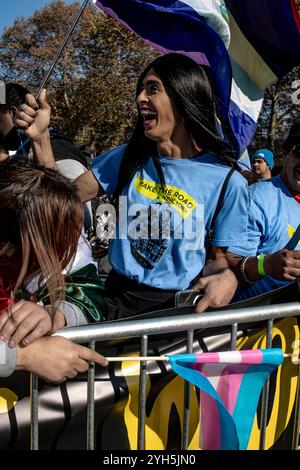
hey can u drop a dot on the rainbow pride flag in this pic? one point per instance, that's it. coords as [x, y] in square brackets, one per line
[230, 384]
[245, 45]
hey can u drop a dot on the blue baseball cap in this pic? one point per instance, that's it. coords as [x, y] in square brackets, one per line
[266, 155]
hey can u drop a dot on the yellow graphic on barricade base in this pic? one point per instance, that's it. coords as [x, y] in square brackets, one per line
[176, 197]
[284, 386]
[166, 415]
[291, 232]
[8, 400]
[165, 418]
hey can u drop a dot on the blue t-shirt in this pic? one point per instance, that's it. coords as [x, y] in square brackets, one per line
[274, 215]
[160, 236]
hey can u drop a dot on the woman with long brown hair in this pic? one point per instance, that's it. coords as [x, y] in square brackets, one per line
[41, 219]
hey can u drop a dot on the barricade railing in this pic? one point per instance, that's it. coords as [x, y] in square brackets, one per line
[233, 318]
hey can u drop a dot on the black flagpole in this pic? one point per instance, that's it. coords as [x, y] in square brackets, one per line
[61, 48]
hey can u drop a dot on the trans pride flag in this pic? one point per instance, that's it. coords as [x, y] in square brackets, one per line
[230, 384]
[245, 44]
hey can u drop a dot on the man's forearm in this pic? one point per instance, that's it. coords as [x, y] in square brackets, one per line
[245, 268]
[215, 266]
[43, 151]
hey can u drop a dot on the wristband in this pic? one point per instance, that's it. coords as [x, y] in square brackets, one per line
[243, 273]
[260, 265]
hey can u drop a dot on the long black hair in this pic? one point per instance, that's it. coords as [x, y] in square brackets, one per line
[189, 89]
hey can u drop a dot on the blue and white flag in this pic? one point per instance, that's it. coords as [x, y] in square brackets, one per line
[247, 45]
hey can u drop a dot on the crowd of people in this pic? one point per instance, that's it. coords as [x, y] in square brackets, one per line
[182, 217]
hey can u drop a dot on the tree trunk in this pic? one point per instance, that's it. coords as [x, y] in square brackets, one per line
[273, 118]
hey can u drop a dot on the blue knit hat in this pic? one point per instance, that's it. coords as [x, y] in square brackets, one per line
[266, 155]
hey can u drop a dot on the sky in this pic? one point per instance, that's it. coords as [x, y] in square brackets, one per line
[11, 9]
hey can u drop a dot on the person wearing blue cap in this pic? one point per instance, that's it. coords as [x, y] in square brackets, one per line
[262, 163]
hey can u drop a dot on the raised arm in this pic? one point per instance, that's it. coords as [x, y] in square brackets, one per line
[34, 119]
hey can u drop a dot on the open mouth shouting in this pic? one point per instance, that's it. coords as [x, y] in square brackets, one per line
[149, 116]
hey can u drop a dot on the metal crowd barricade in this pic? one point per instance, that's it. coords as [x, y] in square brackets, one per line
[150, 327]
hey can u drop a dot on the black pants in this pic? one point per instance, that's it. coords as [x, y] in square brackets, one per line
[125, 298]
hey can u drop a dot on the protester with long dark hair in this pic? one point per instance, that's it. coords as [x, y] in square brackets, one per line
[166, 183]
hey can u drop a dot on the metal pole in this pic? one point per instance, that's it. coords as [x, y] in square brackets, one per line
[233, 338]
[142, 395]
[90, 415]
[265, 394]
[61, 48]
[34, 412]
[183, 322]
[187, 396]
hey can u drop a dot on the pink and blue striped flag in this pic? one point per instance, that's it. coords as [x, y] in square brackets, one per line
[230, 384]
[245, 45]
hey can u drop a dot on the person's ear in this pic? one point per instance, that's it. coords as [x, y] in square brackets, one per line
[13, 113]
